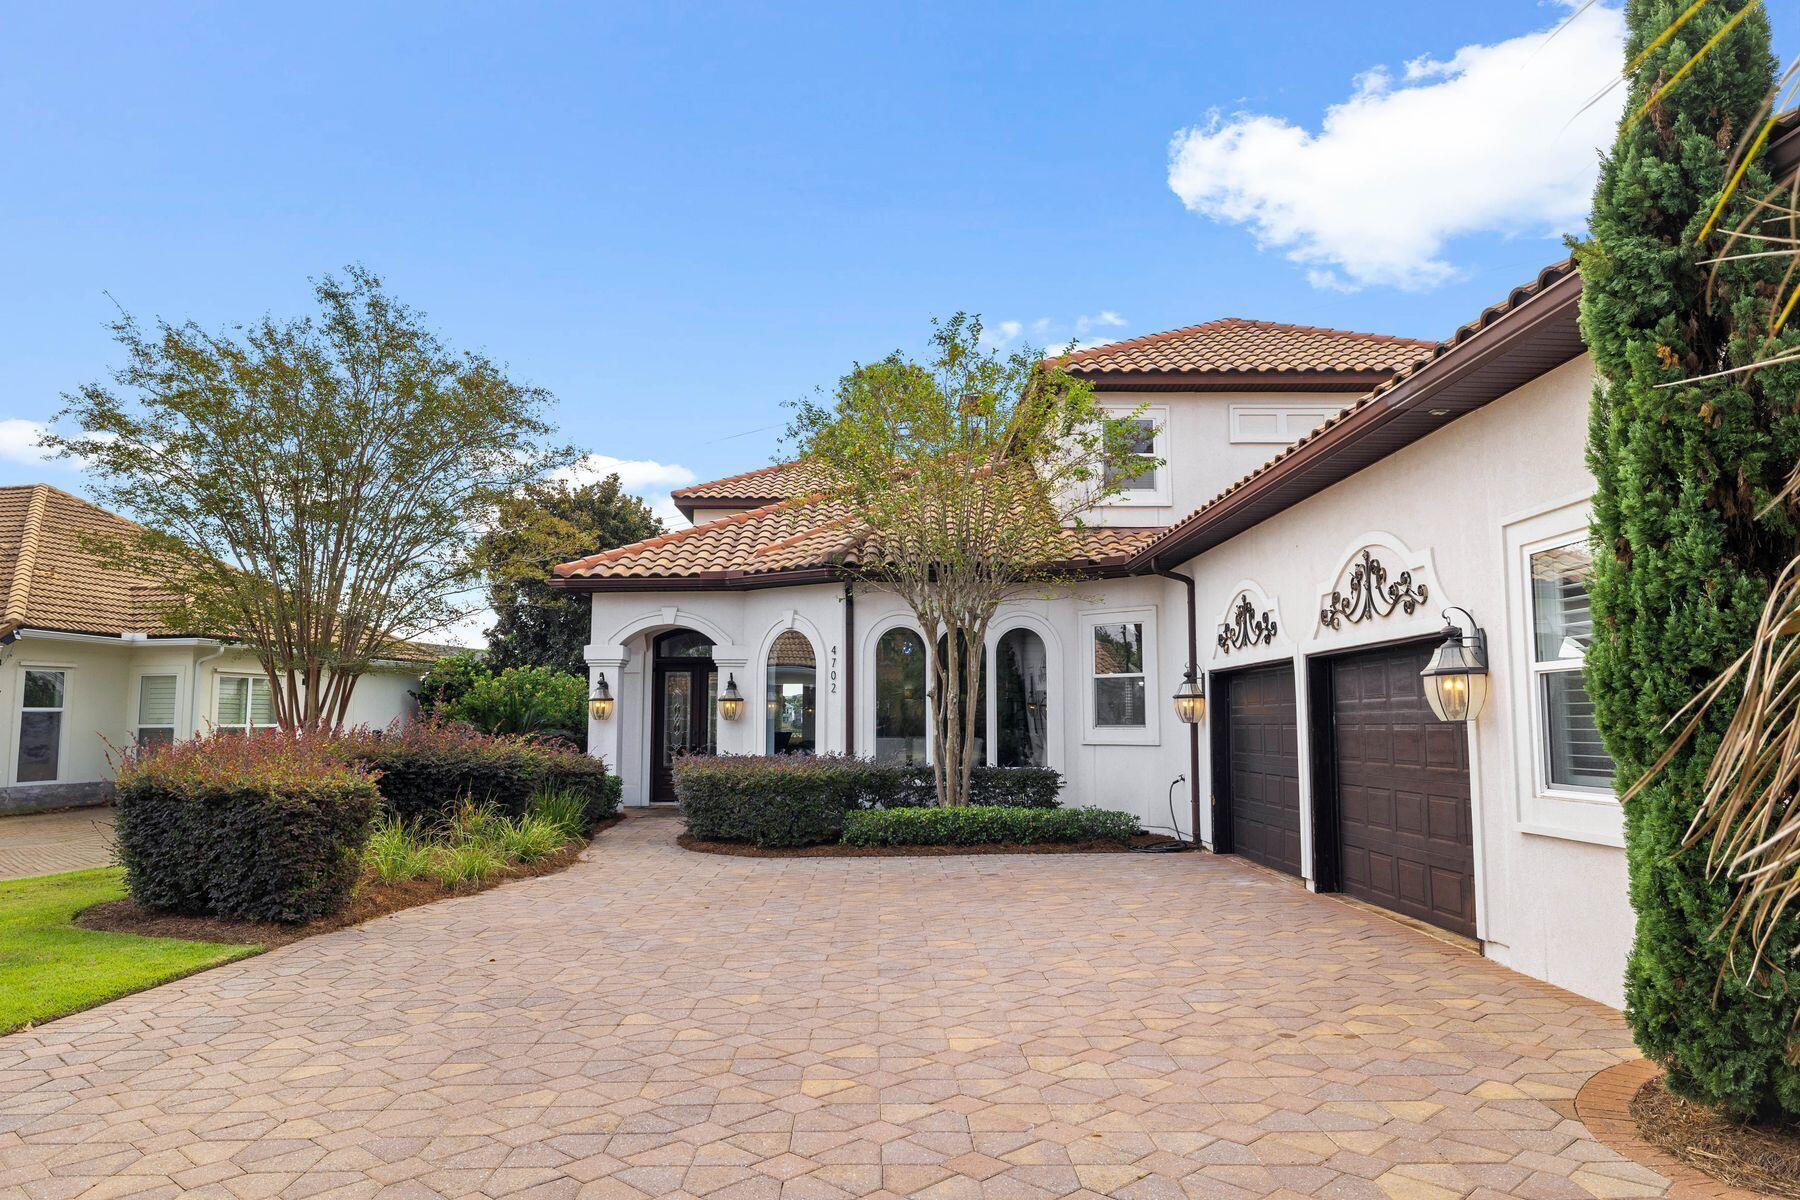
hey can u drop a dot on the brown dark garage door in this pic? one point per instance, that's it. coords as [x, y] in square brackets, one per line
[1405, 837]
[1262, 756]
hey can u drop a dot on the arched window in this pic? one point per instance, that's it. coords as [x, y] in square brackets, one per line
[793, 696]
[900, 697]
[977, 751]
[1022, 700]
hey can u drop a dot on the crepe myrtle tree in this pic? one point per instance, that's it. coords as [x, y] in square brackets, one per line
[308, 488]
[964, 475]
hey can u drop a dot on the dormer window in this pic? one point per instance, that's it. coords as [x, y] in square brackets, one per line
[1137, 478]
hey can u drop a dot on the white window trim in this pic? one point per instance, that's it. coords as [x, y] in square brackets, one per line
[136, 702]
[1574, 814]
[1297, 420]
[1150, 732]
[219, 679]
[1159, 496]
[62, 727]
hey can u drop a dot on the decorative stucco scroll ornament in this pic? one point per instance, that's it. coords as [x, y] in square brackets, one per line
[1247, 627]
[1370, 595]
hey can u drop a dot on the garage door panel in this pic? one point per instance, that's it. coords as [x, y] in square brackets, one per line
[1404, 825]
[1264, 755]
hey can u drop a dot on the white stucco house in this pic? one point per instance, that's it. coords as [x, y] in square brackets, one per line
[1328, 497]
[87, 667]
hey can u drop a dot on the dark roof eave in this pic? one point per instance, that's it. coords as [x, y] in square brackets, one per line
[687, 505]
[1356, 382]
[1466, 377]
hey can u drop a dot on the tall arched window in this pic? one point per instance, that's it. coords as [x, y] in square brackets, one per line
[792, 696]
[900, 697]
[1022, 700]
[977, 751]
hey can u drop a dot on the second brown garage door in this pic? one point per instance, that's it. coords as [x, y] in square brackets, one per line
[1263, 759]
[1405, 833]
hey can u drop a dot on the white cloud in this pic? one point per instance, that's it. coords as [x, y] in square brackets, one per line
[18, 441]
[645, 478]
[1050, 333]
[1491, 140]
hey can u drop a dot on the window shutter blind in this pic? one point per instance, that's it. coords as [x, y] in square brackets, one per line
[156, 700]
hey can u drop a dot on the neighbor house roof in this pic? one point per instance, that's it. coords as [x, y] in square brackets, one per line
[807, 539]
[50, 580]
[752, 489]
[1233, 354]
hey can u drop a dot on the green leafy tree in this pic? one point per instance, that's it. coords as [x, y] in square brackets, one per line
[547, 523]
[965, 475]
[527, 701]
[1688, 452]
[448, 681]
[305, 486]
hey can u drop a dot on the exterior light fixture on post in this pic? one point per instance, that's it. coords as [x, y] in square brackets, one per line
[1190, 700]
[1456, 678]
[731, 701]
[600, 704]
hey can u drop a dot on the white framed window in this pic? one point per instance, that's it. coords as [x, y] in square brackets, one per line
[1120, 653]
[1563, 770]
[1139, 481]
[1570, 752]
[245, 704]
[1277, 424]
[156, 709]
[42, 698]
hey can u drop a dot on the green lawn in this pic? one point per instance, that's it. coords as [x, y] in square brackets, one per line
[49, 967]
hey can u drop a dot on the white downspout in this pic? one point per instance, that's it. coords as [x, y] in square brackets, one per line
[194, 701]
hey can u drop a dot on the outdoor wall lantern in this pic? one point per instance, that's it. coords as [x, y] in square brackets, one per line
[1190, 701]
[600, 704]
[731, 701]
[1456, 678]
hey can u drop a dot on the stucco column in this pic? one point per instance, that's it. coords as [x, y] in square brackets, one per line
[735, 736]
[603, 736]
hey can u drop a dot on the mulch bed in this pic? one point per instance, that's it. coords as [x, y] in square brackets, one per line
[1762, 1158]
[744, 850]
[373, 899]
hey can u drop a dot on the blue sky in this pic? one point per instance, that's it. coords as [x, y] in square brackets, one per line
[678, 216]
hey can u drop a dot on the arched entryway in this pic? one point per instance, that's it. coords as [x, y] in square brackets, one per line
[684, 705]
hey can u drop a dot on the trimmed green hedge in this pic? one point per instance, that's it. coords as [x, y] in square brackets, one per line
[429, 767]
[801, 799]
[263, 828]
[986, 824]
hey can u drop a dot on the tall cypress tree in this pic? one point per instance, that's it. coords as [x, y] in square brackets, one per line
[1683, 553]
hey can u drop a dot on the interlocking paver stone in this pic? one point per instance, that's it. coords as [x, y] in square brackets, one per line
[45, 843]
[657, 1023]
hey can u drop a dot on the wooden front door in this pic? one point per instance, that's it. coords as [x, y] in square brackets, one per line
[684, 711]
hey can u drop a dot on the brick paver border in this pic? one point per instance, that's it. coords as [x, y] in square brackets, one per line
[1604, 1106]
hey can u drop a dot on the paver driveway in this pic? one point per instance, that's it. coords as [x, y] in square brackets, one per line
[660, 1023]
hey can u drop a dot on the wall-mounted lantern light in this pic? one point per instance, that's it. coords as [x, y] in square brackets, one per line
[1456, 678]
[600, 704]
[731, 701]
[1190, 700]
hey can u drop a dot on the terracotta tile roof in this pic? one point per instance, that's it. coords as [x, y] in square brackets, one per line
[48, 580]
[1168, 539]
[765, 485]
[807, 534]
[1234, 346]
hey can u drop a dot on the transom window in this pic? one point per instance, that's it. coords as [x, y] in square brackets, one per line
[1573, 756]
[41, 725]
[1119, 674]
[156, 710]
[245, 704]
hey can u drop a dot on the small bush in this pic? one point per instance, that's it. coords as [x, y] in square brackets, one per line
[397, 852]
[428, 767]
[766, 800]
[537, 702]
[264, 828]
[978, 825]
[448, 681]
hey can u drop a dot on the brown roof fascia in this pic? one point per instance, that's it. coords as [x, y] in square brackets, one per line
[688, 506]
[1393, 419]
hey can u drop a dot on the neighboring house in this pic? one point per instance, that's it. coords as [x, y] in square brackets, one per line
[1330, 495]
[87, 667]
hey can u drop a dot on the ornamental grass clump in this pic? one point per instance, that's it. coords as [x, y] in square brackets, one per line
[269, 827]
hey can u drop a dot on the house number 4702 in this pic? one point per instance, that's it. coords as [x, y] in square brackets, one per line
[833, 674]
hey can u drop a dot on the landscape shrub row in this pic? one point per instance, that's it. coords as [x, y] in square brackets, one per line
[805, 800]
[984, 825]
[272, 827]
